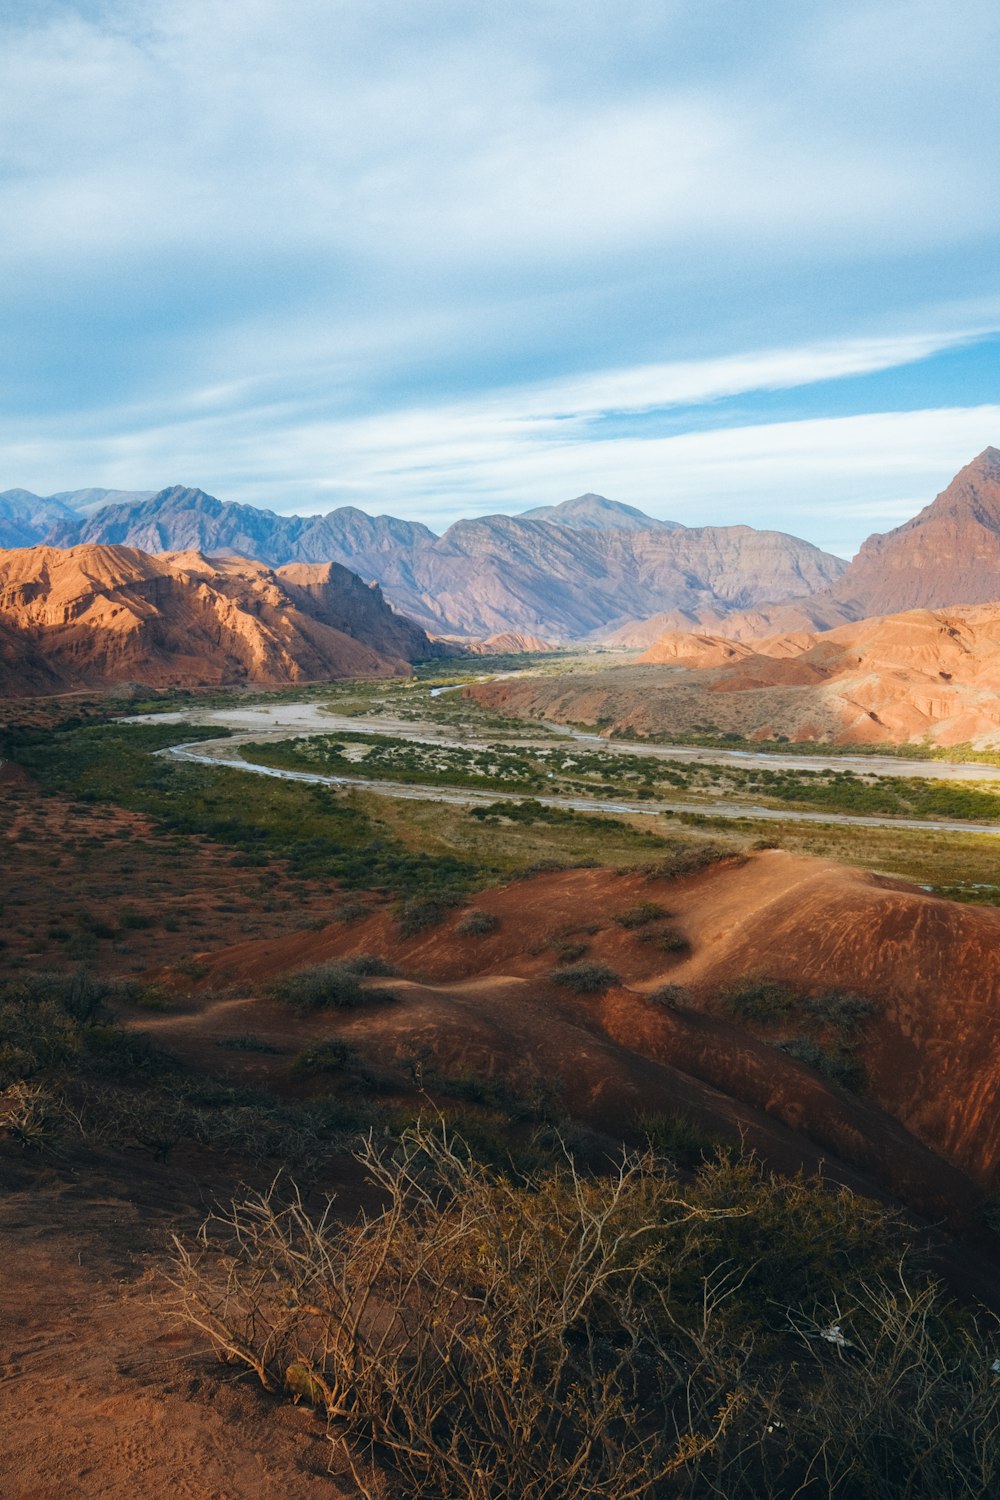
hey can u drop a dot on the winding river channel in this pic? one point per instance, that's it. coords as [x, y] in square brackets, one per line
[261, 723]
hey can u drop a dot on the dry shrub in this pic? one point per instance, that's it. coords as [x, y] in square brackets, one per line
[611, 1338]
[476, 922]
[333, 985]
[586, 978]
[484, 1340]
[35, 1115]
[640, 915]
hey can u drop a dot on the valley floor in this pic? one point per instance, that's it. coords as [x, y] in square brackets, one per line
[564, 969]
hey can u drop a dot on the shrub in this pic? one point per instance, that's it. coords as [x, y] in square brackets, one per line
[587, 978]
[246, 1042]
[475, 923]
[351, 911]
[95, 926]
[640, 915]
[568, 952]
[689, 859]
[423, 912]
[330, 1056]
[370, 964]
[757, 998]
[843, 1011]
[838, 1064]
[667, 941]
[484, 1338]
[492, 1091]
[561, 1337]
[132, 920]
[670, 995]
[679, 1138]
[34, 1116]
[116, 1053]
[334, 985]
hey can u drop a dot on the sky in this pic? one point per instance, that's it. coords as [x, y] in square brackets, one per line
[732, 261]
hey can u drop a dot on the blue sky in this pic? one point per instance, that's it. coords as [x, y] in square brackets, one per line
[731, 262]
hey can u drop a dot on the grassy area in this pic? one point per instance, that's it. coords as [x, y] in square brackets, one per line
[359, 840]
[319, 833]
[509, 845]
[961, 866]
[411, 847]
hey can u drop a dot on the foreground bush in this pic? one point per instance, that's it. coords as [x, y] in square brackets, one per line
[615, 1338]
[334, 985]
[488, 1340]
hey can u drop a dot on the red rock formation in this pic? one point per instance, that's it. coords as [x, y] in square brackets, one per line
[948, 554]
[92, 616]
[923, 674]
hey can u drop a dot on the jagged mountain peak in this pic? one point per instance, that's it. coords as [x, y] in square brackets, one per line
[947, 554]
[84, 502]
[25, 517]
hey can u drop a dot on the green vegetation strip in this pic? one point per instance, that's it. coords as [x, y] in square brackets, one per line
[320, 834]
[568, 770]
[963, 754]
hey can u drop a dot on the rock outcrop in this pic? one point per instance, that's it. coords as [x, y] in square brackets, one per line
[948, 554]
[920, 675]
[93, 616]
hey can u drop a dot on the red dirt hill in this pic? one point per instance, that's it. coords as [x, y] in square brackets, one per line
[487, 1004]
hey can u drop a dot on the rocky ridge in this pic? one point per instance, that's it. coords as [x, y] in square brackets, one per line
[948, 554]
[569, 572]
[93, 616]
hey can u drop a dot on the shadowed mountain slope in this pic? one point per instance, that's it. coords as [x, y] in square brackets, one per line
[25, 518]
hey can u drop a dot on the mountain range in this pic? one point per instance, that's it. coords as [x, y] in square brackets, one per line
[587, 569]
[948, 554]
[93, 616]
[568, 571]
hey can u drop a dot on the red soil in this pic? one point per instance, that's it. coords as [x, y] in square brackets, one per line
[929, 1122]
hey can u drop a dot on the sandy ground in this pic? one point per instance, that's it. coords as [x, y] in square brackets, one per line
[102, 1395]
